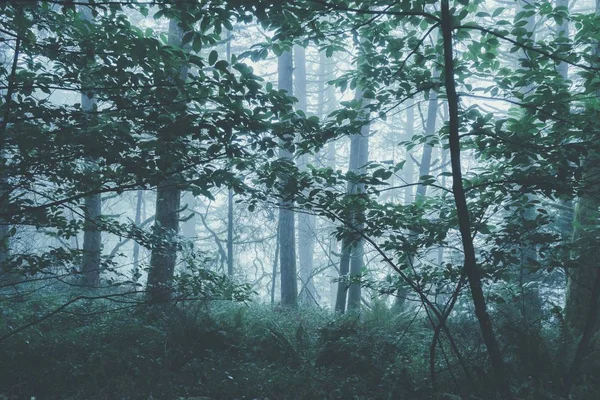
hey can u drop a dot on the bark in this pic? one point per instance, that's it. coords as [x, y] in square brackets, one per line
[92, 241]
[566, 207]
[432, 109]
[471, 268]
[168, 200]
[136, 245]
[230, 232]
[580, 294]
[188, 226]
[409, 167]
[531, 303]
[353, 250]
[583, 287]
[287, 232]
[274, 272]
[4, 187]
[92, 237]
[230, 191]
[342, 289]
[306, 222]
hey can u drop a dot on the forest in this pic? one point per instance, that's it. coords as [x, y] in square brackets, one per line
[310, 199]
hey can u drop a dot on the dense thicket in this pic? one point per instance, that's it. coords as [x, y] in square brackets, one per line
[413, 185]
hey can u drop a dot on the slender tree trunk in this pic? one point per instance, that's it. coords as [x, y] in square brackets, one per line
[531, 302]
[583, 287]
[92, 237]
[432, 110]
[188, 227]
[470, 261]
[306, 222]
[409, 166]
[359, 156]
[230, 232]
[168, 204]
[136, 245]
[4, 187]
[274, 272]
[230, 191]
[287, 232]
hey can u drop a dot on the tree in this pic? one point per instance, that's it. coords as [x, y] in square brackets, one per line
[306, 221]
[470, 267]
[168, 202]
[351, 260]
[286, 227]
[92, 236]
[583, 286]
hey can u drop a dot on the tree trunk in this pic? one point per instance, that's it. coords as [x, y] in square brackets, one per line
[531, 302]
[274, 272]
[471, 268]
[92, 237]
[287, 232]
[4, 186]
[583, 287]
[164, 256]
[306, 222]
[409, 167]
[230, 232]
[188, 204]
[230, 191]
[353, 252]
[136, 245]
[168, 201]
[432, 110]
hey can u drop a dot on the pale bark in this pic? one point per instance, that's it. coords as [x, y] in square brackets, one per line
[230, 232]
[432, 110]
[409, 166]
[530, 306]
[4, 187]
[307, 223]
[351, 260]
[188, 205]
[136, 245]
[287, 232]
[580, 295]
[92, 237]
[583, 287]
[230, 254]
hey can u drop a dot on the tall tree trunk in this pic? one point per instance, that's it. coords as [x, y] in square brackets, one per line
[230, 232]
[4, 187]
[582, 287]
[566, 207]
[471, 268]
[306, 222]
[136, 245]
[274, 271]
[92, 237]
[287, 232]
[424, 167]
[188, 205]
[409, 166]
[230, 191]
[432, 110]
[353, 251]
[168, 204]
[531, 302]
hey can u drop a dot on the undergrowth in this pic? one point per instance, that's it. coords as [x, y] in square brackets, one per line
[236, 351]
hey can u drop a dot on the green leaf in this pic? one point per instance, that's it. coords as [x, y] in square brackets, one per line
[212, 57]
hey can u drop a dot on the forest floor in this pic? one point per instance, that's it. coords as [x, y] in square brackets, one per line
[235, 351]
